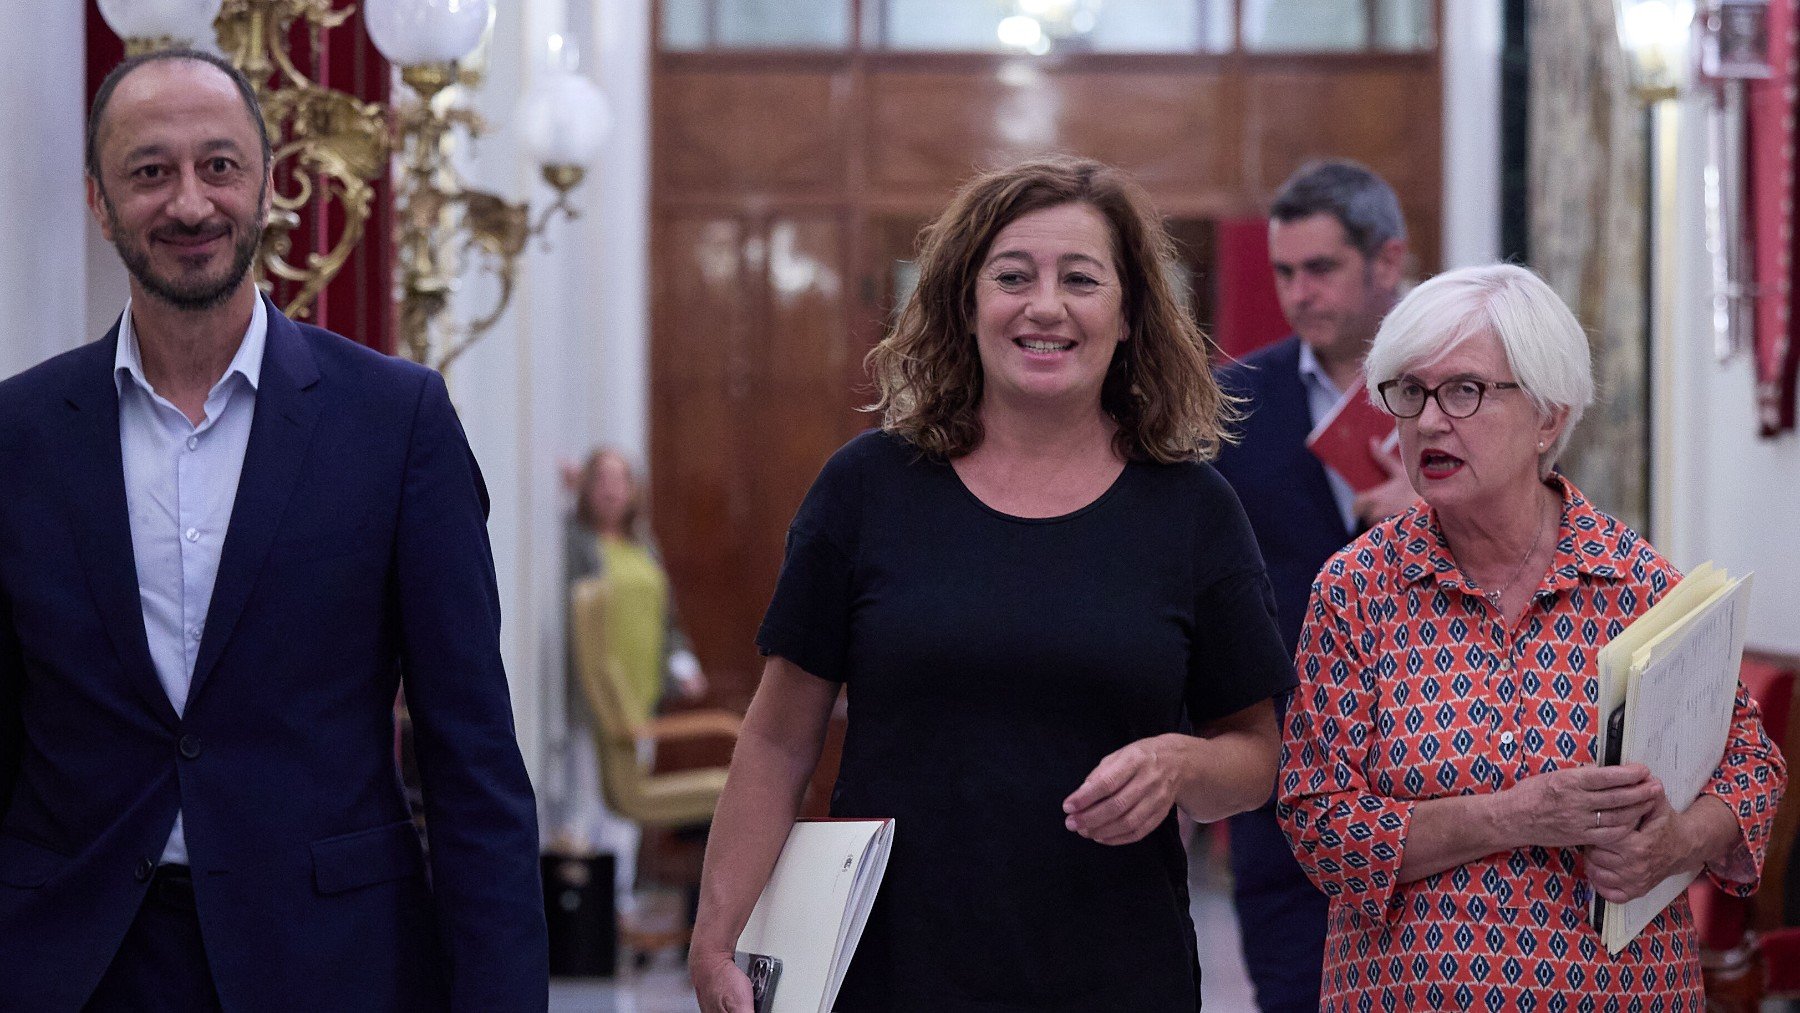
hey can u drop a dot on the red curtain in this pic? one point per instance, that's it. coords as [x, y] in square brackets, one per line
[359, 301]
[1249, 315]
[1772, 220]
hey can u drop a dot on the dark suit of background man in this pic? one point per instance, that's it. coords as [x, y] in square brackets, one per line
[1338, 246]
[225, 540]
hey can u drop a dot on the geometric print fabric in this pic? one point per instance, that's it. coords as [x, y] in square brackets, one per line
[1410, 690]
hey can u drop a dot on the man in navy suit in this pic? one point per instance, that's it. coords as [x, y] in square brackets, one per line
[1337, 243]
[225, 540]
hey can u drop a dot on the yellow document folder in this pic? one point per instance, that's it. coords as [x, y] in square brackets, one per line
[1674, 671]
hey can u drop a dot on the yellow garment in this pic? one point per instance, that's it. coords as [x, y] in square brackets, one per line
[636, 621]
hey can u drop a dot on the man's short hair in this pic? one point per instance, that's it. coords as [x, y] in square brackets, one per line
[1361, 201]
[103, 97]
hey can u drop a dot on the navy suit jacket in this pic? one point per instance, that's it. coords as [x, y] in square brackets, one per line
[356, 559]
[1281, 484]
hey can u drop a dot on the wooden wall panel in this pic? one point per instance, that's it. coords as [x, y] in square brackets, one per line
[749, 399]
[736, 131]
[701, 349]
[1173, 131]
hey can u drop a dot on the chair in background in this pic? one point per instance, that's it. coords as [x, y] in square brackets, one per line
[1745, 950]
[681, 798]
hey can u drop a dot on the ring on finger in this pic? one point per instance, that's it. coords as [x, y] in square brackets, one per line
[1597, 820]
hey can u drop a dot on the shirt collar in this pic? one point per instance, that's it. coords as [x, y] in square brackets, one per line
[128, 359]
[1588, 543]
[1311, 369]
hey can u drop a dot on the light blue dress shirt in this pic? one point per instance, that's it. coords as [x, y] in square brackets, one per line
[180, 482]
[1321, 397]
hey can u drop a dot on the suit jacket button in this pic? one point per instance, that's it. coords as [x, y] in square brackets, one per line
[145, 869]
[190, 746]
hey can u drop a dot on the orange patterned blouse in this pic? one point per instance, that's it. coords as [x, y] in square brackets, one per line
[1410, 689]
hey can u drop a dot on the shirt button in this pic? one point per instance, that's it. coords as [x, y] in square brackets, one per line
[145, 869]
[190, 746]
[193, 441]
[194, 632]
[1506, 666]
[193, 534]
[1506, 738]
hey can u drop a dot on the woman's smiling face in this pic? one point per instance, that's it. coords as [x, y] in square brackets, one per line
[1049, 307]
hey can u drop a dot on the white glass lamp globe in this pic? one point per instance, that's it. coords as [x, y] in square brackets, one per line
[415, 32]
[565, 119]
[184, 21]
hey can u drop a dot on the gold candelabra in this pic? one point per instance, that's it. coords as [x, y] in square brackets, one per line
[329, 145]
[442, 220]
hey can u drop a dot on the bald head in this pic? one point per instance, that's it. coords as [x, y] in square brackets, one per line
[189, 63]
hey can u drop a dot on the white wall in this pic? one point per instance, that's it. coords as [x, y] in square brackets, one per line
[566, 368]
[43, 289]
[1731, 496]
[1473, 35]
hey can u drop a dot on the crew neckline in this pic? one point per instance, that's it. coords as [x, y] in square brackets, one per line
[1089, 507]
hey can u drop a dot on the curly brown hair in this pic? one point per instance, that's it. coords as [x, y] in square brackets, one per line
[1159, 389]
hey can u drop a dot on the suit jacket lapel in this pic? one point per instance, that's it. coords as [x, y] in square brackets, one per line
[286, 411]
[94, 466]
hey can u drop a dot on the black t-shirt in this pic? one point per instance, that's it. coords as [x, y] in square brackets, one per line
[992, 661]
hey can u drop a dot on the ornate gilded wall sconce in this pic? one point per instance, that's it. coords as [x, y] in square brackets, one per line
[443, 221]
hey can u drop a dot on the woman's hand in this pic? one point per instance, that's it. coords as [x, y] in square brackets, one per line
[1581, 806]
[718, 983]
[1129, 792]
[1631, 864]
[1668, 842]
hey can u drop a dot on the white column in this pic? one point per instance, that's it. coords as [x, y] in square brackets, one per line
[1473, 36]
[43, 258]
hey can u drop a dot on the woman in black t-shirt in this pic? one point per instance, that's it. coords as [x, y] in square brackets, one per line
[1050, 615]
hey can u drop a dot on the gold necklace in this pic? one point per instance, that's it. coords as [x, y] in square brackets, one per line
[1493, 597]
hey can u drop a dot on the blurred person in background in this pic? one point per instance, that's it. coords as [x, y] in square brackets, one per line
[607, 534]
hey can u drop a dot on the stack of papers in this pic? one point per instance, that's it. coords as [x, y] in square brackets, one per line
[813, 910]
[1674, 674]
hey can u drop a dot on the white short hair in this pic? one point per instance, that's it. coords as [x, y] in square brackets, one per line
[1544, 343]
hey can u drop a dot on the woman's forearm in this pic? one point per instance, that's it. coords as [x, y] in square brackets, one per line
[1714, 841]
[774, 759]
[1230, 767]
[1447, 832]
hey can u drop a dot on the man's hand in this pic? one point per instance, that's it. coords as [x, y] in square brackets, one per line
[1380, 502]
[1127, 795]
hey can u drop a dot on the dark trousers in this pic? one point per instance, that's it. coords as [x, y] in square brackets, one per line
[161, 966]
[1281, 915]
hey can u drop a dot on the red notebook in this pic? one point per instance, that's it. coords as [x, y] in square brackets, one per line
[1341, 439]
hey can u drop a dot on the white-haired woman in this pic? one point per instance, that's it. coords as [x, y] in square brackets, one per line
[1439, 778]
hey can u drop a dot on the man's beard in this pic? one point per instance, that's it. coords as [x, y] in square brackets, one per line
[196, 296]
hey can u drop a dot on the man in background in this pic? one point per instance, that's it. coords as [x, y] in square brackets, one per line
[226, 540]
[1337, 243]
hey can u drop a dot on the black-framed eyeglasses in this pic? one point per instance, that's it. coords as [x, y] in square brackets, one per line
[1459, 398]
